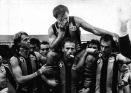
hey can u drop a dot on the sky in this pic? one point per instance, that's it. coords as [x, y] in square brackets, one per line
[35, 16]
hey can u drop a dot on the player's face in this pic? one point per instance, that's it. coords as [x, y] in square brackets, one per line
[25, 39]
[106, 47]
[63, 19]
[44, 49]
[94, 46]
[69, 49]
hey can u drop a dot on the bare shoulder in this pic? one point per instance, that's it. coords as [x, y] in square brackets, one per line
[13, 61]
[50, 30]
[78, 20]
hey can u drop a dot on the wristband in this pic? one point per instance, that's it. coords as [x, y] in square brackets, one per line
[38, 73]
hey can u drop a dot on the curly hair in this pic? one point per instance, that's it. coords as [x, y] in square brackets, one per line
[17, 38]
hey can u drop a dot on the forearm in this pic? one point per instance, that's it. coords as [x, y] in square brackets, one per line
[56, 42]
[100, 32]
[92, 29]
[81, 61]
[24, 79]
[123, 59]
[124, 41]
[123, 29]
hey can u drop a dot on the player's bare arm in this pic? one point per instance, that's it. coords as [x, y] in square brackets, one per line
[95, 30]
[53, 39]
[18, 72]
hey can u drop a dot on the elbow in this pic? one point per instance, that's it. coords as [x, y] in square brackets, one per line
[20, 80]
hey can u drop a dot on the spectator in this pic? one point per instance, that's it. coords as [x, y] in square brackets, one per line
[44, 48]
[35, 44]
[35, 48]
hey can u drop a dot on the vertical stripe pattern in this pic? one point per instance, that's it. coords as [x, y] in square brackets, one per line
[103, 77]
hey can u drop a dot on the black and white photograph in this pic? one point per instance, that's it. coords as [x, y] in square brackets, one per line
[65, 46]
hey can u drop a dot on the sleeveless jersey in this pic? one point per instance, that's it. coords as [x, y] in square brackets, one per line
[107, 75]
[28, 66]
[72, 31]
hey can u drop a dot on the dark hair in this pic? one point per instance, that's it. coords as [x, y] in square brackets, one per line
[44, 42]
[107, 38]
[17, 38]
[95, 42]
[60, 10]
[35, 41]
[68, 40]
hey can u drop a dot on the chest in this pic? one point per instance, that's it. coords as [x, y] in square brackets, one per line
[108, 64]
[28, 65]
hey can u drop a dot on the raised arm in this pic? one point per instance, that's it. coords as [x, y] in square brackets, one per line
[54, 40]
[97, 31]
[86, 57]
[124, 40]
